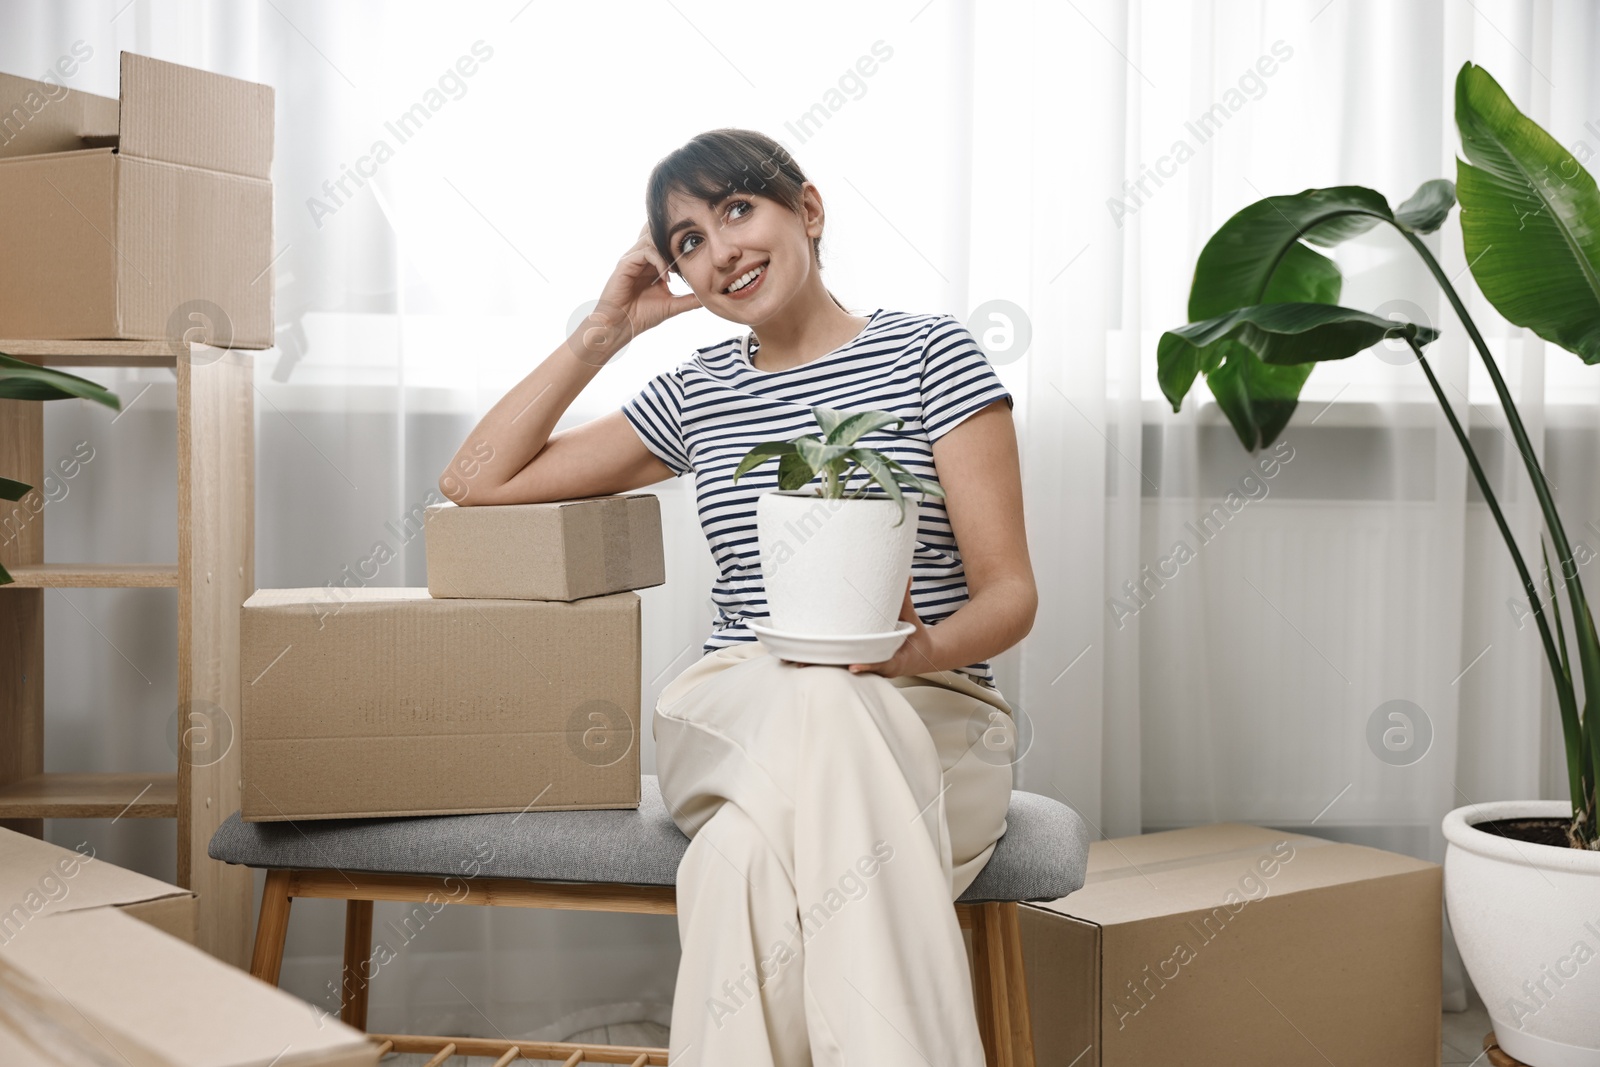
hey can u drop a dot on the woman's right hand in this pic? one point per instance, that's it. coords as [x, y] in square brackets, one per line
[634, 299]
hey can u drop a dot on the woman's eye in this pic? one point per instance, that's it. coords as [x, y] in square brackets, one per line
[683, 246]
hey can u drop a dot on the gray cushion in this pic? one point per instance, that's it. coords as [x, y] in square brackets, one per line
[1041, 857]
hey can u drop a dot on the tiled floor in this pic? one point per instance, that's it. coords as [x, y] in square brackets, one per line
[1463, 1040]
[1463, 1033]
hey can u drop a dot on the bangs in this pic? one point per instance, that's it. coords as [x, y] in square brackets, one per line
[714, 165]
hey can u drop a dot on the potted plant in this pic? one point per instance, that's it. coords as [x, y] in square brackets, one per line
[836, 561]
[1522, 878]
[21, 380]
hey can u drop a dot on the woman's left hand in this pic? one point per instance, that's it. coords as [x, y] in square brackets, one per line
[914, 656]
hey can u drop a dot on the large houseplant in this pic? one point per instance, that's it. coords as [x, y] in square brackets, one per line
[1264, 310]
[20, 380]
[835, 560]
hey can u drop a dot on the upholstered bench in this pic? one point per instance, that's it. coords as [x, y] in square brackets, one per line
[623, 860]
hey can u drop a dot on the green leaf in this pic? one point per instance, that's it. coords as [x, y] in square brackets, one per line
[828, 418]
[1258, 398]
[861, 423]
[1256, 359]
[1530, 218]
[794, 472]
[21, 380]
[13, 490]
[816, 453]
[921, 485]
[1242, 259]
[1428, 207]
[875, 465]
[760, 454]
[1286, 334]
[1177, 366]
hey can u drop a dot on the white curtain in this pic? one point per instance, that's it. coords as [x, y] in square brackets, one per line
[1047, 173]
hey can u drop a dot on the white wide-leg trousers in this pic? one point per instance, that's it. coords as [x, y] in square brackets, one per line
[834, 819]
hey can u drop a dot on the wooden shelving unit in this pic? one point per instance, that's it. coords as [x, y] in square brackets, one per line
[68, 795]
[214, 574]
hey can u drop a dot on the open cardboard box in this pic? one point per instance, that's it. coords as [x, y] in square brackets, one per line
[562, 550]
[39, 879]
[98, 966]
[94, 986]
[1238, 946]
[143, 218]
[369, 702]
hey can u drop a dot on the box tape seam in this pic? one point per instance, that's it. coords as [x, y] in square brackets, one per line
[1253, 852]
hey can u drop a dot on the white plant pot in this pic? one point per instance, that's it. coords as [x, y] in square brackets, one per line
[1527, 920]
[834, 568]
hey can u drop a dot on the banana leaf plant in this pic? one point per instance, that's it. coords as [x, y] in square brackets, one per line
[21, 380]
[1264, 310]
[836, 456]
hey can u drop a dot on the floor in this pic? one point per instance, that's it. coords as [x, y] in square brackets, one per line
[1463, 1033]
[1463, 1040]
[649, 1034]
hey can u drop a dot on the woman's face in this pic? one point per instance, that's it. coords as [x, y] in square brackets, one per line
[714, 246]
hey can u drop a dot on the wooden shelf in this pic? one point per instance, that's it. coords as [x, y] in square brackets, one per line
[215, 573]
[94, 576]
[93, 353]
[91, 796]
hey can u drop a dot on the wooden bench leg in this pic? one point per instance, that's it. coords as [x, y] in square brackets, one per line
[1017, 987]
[982, 992]
[357, 950]
[272, 928]
[999, 1006]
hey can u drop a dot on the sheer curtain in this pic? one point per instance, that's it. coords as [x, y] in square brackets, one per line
[1045, 172]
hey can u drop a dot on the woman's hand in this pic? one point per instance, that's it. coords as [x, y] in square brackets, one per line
[634, 299]
[914, 656]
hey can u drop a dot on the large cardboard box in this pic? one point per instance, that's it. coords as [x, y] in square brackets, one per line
[144, 218]
[39, 879]
[97, 987]
[372, 702]
[1239, 946]
[563, 550]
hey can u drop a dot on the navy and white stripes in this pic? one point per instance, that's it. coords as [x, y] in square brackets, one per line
[704, 415]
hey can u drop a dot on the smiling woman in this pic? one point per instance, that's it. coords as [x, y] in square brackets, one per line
[783, 774]
[844, 761]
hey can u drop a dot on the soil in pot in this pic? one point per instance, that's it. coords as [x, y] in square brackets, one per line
[1533, 831]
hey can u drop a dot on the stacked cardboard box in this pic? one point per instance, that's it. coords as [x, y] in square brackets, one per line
[511, 683]
[97, 966]
[1237, 945]
[148, 217]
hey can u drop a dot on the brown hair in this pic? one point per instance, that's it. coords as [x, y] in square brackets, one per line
[716, 163]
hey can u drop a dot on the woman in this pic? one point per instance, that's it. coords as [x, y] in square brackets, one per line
[834, 815]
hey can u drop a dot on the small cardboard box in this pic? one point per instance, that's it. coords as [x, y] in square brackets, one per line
[1239, 946]
[387, 701]
[144, 218]
[39, 879]
[563, 550]
[96, 987]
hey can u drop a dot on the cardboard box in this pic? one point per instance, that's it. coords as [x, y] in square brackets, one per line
[38, 879]
[144, 218]
[1236, 945]
[564, 550]
[96, 987]
[372, 702]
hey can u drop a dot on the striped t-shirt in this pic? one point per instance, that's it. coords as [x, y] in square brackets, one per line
[705, 414]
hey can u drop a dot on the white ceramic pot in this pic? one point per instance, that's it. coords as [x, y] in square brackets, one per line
[1527, 920]
[834, 567]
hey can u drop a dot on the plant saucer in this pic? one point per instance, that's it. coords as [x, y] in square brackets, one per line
[836, 649]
